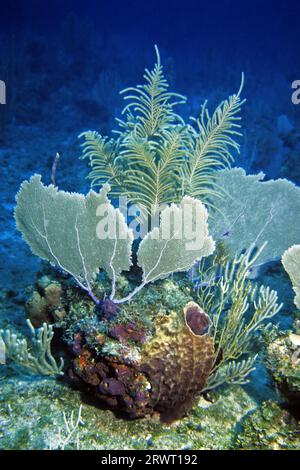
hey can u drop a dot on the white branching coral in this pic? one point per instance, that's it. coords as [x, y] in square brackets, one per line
[37, 357]
[231, 373]
[69, 434]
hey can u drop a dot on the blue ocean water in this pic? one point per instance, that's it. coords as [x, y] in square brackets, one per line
[64, 63]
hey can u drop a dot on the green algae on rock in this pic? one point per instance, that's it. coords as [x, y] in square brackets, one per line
[269, 428]
[32, 417]
[283, 362]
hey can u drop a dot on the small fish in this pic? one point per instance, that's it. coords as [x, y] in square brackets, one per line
[200, 284]
[227, 232]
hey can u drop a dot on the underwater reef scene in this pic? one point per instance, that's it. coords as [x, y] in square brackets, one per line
[150, 240]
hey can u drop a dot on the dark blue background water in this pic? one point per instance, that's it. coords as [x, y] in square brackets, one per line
[259, 27]
[205, 45]
[65, 62]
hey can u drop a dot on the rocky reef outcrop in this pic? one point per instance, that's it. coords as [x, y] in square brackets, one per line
[163, 374]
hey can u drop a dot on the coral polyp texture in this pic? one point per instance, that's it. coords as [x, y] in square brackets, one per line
[178, 360]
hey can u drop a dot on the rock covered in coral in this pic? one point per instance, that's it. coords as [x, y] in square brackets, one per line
[269, 427]
[45, 304]
[163, 374]
[115, 381]
[151, 356]
[33, 411]
[128, 332]
[283, 361]
[107, 309]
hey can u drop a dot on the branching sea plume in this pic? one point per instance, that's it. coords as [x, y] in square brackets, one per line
[157, 158]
